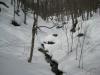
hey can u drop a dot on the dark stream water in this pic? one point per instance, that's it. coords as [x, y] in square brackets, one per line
[53, 63]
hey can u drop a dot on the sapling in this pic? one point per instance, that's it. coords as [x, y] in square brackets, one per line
[82, 48]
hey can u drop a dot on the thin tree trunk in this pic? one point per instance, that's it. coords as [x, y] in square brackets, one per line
[77, 49]
[77, 45]
[81, 55]
[67, 39]
[72, 32]
[72, 42]
[34, 30]
[32, 46]
[18, 5]
[25, 17]
[11, 2]
[14, 9]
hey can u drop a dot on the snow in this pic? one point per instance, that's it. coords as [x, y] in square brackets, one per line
[15, 45]
[91, 52]
[13, 66]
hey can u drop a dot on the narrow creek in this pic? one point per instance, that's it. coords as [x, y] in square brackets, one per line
[53, 63]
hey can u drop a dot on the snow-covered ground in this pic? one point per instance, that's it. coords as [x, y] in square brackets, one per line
[15, 45]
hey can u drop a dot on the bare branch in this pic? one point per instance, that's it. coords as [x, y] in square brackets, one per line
[46, 27]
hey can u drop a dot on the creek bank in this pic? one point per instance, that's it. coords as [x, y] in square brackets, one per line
[53, 63]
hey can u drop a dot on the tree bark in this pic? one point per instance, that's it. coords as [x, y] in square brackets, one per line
[34, 30]
[11, 2]
[14, 8]
[25, 17]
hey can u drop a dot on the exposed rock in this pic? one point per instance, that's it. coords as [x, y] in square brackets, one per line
[80, 35]
[15, 23]
[55, 35]
[49, 42]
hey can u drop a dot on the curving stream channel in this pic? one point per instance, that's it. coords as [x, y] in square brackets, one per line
[53, 63]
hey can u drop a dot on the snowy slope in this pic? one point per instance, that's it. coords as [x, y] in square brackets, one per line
[10, 65]
[15, 45]
[91, 50]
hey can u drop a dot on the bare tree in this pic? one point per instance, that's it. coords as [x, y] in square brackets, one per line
[34, 30]
[82, 48]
